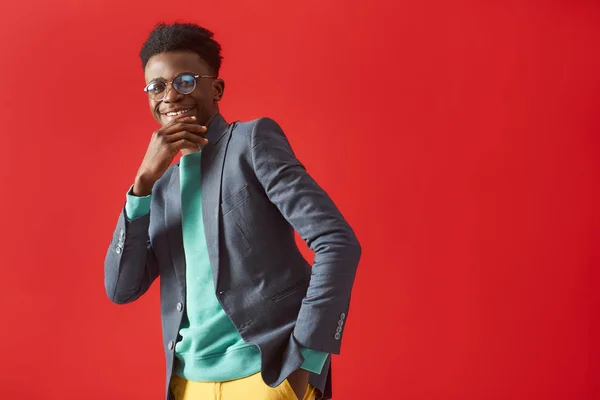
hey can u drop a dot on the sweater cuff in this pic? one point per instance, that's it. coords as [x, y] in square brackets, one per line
[313, 360]
[136, 207]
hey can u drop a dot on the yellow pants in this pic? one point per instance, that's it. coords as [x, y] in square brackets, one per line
[251, 388]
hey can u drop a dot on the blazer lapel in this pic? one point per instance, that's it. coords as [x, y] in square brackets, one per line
[212, 162]
[174, 226]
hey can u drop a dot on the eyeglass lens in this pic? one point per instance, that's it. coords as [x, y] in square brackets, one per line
[184, 84]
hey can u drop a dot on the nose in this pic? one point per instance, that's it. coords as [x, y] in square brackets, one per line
[171, 94]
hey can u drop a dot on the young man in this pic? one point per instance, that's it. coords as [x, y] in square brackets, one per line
[244, 316]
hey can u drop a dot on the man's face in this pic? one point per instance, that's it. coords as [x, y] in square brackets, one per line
[202, 102]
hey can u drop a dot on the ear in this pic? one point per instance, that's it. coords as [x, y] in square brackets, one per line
[218, 88]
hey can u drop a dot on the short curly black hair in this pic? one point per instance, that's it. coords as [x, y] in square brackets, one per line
[183, 37]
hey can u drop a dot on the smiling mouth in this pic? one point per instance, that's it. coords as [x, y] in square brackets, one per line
[176, 113]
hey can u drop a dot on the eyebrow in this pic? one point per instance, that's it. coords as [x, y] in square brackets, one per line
[157, 80]
[179, 74]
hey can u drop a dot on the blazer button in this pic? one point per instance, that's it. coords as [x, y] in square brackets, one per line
[171, 345]
[179, 307]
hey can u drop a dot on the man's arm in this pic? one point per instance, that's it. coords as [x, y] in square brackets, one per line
[130, 266]
[312, 213]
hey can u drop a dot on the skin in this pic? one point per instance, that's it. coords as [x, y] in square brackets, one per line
[185, 132]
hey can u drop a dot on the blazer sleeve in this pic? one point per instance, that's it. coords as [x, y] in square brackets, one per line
[312, 213]
[130, 265]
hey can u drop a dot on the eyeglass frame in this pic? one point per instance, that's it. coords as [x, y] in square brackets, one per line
[196, 77]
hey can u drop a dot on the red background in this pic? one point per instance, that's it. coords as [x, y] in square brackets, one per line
[459, 138]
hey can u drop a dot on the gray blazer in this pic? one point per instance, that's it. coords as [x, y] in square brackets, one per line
[255, 193]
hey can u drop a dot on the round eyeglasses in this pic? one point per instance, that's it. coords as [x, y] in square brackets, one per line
[183, 83]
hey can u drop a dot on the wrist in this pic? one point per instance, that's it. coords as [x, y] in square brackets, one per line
[141, 186]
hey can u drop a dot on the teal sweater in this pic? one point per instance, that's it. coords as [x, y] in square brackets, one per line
[211, 349]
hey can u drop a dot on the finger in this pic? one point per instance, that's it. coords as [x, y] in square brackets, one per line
[190, 120]
[194, 128]
[185, 144]
[196, 140]
[192, 137]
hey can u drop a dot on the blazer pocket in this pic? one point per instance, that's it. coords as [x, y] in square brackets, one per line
[285, 293]
[235, 199]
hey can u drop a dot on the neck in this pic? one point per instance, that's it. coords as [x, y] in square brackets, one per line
[214, 113]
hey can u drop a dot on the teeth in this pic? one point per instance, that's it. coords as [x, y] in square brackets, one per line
[172, 114]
